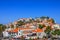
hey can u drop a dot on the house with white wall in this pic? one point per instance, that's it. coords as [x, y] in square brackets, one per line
[56, 26]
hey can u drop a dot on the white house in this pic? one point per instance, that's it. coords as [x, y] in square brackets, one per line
[5, 34]
[56, 26]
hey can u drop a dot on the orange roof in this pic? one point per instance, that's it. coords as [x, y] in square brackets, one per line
[38, 30]
[15, 30]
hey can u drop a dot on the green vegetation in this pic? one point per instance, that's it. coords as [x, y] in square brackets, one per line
[41, 26]
[2, 28]
[48, 30]
[38, 20]
[44, 17]
[19, 23]
[22, 38]
[12, 26]
[56, 32]
[53, 21]
[30, 39]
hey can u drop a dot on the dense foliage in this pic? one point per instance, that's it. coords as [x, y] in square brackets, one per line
[19, 23]
[2, 28]
[48, 30]
[41, 26]
[56, 32]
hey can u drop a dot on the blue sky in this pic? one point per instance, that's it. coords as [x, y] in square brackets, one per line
[11, 10]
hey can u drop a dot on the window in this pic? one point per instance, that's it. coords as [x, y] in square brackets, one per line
[19, 33]
[33, 34]
[39, 34]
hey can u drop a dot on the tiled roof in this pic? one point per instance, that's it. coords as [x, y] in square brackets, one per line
[15, 30]
[37, 30]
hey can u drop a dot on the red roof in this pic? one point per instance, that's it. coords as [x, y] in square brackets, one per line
[38, 30]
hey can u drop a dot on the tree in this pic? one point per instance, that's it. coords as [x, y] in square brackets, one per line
[22, 38]
[48, 31]
[19, 23]
[41, 26]
[2, 28]
[44, 17]
[51, 20]
[30, 39]
[12, 26]
[31, 20]
[56, 32]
